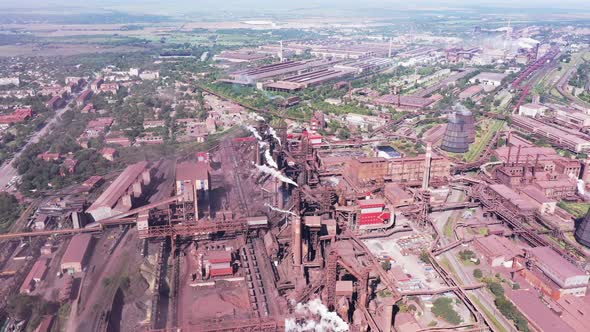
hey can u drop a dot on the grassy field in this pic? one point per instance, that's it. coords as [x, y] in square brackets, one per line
[579, 210]
[485, 134]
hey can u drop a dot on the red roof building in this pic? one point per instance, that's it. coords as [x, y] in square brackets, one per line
[220, 269]
[84, 97]
[19, 115]
[89, 108]
[118, 140]
[76, 255]
[54, 103]
[92, 181]
[36, 274]
[218, 256]
[108, 153]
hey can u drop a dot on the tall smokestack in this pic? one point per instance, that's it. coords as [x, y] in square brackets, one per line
[390, 42]
[518, 154]
[281, 54]
[296, 245]
[509, 152]
[427, 164]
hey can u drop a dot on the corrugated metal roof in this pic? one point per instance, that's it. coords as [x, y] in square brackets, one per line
[77, 249]
[110, 196]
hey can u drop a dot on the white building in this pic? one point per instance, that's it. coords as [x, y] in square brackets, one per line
[532, 110]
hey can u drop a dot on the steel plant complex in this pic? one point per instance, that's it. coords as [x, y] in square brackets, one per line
[172, 173]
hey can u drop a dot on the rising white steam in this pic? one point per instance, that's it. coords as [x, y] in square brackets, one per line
[318, 318]
[254, 132]
[280, 210]
[273, 172]
[259, 118]
[274, 134]
[269, 159]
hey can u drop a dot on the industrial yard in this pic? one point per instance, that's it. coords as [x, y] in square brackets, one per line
[294, 175]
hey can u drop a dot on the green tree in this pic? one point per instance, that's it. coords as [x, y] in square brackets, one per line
[477, 273]
[497, 289]
[9, 210]
[443, 308]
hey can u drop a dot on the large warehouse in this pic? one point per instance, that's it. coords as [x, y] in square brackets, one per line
[118, 196]
[76, 256]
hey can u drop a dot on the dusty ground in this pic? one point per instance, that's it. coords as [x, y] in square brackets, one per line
[225, 299]
[61, 49]
[98, 293]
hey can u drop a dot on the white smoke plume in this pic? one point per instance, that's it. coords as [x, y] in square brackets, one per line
[273, 172]
[259, 118]
[274, 134]
[269, 159]
[318, 318]
[280, 210]
[254, 132]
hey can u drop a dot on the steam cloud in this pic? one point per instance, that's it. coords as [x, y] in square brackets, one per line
[273, 172]
[269, 159]
[274, 134]
[254, 132]
[328, 321]
[280, 210]
[259, 118]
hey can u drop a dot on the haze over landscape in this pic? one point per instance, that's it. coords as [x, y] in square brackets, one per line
[313, 165]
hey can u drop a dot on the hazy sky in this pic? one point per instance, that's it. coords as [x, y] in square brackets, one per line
[178, 6]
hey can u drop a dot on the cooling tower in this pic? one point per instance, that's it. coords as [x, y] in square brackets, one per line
[582, 233]
[469, 123]
[456, 137]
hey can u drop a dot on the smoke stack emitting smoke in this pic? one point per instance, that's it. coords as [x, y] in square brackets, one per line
[318, 318]
[273, 172]
[269, 159]
[254, 132]
[280, 210]
[274, 134]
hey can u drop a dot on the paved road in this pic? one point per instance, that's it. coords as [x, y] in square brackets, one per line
[465, 278]
[7, 172]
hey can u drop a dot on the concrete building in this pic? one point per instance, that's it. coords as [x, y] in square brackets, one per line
[470, 92]
[569, 278]
[77, 253]
[410, 170]
[192, 182]
[532, 110]
[540, 317]
[528, 126]
[496, 250]
[487, 79]
[118, 197]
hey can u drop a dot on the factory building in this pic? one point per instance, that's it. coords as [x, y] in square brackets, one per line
[409, 170]
[192, 182]
[528, 126]
[77, 253]
[307, 79]
[218, 263]
[373, 212]
[118, 197]
[554, 275]
[37, 273]
[404, 102]
[277, 70]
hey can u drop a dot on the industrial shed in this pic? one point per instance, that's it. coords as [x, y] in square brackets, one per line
[76, 256]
